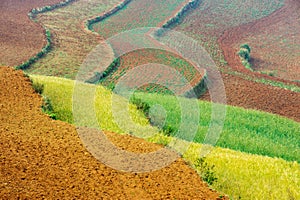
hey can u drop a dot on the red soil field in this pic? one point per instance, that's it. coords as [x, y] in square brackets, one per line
[20, 38]
[275, 42]
[44, 158]
[252, 95]
[248, 94]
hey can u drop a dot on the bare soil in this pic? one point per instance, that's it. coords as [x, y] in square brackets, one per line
[252, 95]
[20, 38]
[44, 158]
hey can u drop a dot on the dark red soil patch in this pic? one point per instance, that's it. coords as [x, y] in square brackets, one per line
[20, 38]
[252, 95]
[43, 158]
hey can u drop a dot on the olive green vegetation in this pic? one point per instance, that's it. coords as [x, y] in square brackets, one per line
[244, 54]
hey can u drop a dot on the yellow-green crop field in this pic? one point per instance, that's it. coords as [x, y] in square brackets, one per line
[239, 174]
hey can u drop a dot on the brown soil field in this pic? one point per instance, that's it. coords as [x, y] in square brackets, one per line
[44, 158]
[20, 38]
[275, 42]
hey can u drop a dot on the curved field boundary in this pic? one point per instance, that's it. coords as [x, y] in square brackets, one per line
[199, 89]
[94, 75]
[32, 14]
[89, 22]
[43, 52]
[101, 75]
[177, 17]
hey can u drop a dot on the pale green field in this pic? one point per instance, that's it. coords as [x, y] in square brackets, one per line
[244, 130]
[70, 43]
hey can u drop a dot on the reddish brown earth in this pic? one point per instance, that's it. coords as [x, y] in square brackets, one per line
[275, 41]
[252, 95]
[43, 158]
[20, 38]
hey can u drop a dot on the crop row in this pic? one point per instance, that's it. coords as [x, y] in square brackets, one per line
[90, 22]
[32, 14]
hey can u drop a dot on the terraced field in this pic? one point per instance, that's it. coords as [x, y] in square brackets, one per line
[206, 24]
[244, 130]
[71, 44]
[43, 158]
[257, 153]
[142, 57]
[139, 14]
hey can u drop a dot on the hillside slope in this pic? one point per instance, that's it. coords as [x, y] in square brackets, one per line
[43, 158]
